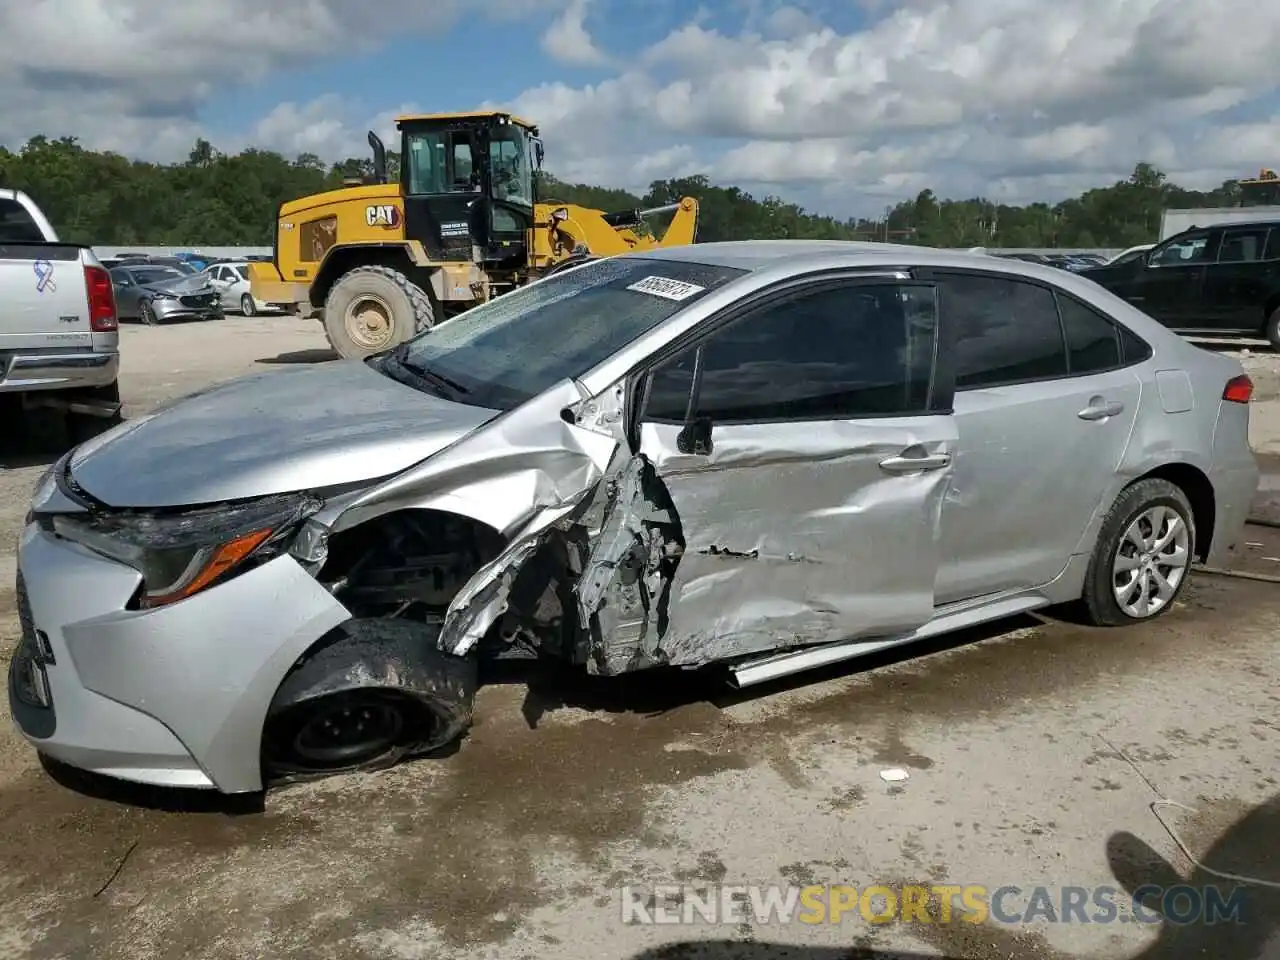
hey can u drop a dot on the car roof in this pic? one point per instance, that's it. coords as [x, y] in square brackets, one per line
[1273, 221]
[754, 255]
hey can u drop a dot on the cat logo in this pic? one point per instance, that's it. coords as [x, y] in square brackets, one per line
[386, 215]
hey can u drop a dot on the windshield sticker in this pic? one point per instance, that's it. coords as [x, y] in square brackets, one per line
[666, 288]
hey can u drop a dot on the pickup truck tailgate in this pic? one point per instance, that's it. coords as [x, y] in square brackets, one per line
[43, 300]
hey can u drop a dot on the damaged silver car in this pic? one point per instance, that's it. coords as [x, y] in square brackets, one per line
[763, 456]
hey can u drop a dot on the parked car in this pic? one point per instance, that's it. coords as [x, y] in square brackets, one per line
[764, 456]
[231, 280]
[1130, 253]
[59, 343]
[1220, 280]
[156, 294]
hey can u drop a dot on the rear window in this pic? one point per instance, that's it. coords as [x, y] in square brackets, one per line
[510, 350]
[16, 225]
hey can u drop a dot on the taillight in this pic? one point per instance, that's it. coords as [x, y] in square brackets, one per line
[1238, 389]
[102, 300]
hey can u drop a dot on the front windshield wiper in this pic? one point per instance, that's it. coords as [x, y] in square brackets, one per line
[401, 356]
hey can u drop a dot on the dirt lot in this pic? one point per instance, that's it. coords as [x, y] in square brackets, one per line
[1033, 753]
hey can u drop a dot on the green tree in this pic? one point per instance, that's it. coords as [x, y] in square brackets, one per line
[231, 199]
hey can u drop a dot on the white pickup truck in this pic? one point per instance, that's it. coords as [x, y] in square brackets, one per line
[59, 336]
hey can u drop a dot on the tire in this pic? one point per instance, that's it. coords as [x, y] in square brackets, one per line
[148, 315]
[356, 333]
[427, 707]
[1271, 329]
[1100, 604]
[247, 307]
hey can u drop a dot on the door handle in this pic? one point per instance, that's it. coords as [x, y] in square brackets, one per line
[1099, 409]
[915, 464]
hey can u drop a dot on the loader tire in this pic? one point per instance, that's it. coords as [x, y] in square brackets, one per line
[372, 309]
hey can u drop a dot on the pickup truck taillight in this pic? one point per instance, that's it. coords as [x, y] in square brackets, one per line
[102, 300]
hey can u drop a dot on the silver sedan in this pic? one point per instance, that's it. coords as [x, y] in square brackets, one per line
[158, 294]
[765, 456]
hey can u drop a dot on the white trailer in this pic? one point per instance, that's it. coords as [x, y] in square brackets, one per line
[1176, 221]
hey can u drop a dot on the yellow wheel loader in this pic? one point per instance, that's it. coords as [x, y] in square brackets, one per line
[380, 261]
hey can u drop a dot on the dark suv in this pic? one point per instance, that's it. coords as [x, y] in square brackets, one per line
[1220, 280]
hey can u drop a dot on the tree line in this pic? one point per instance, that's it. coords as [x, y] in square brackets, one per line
[217, 199]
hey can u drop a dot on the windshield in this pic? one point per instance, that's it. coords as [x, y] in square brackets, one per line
[508, 351]
[509, 163]
[155, 275]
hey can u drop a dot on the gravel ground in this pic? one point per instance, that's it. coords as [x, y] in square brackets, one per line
[1033, 751]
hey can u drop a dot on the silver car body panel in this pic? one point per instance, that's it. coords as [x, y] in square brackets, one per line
[791, 547]
[271, 433]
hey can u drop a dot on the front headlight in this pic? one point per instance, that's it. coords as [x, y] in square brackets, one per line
[179, 554]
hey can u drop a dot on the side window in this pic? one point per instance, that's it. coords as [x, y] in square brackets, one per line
[1190, 249]
[839, 353]
[16, 225]
[1242, 246]
[1272, 251]
[1005, 331]
[1093, 341]
[1133, 348]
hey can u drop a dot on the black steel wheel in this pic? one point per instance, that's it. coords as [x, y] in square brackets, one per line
[352, 730]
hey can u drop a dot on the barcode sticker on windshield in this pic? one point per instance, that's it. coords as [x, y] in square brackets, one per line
[665, 288]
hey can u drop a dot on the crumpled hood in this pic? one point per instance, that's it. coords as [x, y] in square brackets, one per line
[180, 285]
[276, 432]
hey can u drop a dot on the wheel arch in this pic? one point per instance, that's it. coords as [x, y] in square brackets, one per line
[341, 259]
[1198, 488]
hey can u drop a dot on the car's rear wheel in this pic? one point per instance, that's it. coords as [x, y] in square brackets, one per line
[1143, 555]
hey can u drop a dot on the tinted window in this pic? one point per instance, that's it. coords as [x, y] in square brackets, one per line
[1132, 347]
[243, 272]
[515, 347]
[852, 351]
[1093, 341]
[16, 225]
[1191, 249]
[1273, 245]
[1242, 246]
[1005, 331]
[121, 277]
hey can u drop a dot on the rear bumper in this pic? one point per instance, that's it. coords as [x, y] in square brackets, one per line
[1234, 489]
[58, 371]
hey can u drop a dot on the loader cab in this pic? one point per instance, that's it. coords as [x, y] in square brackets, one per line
[468, 183]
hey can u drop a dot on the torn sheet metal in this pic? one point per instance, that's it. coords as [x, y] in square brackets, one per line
[793, 536]
[624, 592]
[505, 473]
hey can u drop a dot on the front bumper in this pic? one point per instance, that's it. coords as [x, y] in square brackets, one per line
[175, 696]
[21, 372]
[176, 310]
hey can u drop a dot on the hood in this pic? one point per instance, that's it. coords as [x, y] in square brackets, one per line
[180, 285]
[276, 432]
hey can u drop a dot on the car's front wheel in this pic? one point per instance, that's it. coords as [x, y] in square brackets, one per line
[1143, 555]
[148, 314]
[247, 307]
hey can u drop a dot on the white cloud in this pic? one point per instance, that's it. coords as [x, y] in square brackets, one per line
[1020, 99]
[567, 41]
[969, 95]
[130, 75]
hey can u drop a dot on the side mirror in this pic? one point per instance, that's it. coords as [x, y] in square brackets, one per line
[695, 438]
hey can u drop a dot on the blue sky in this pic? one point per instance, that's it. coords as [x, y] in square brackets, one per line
[841, 106]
